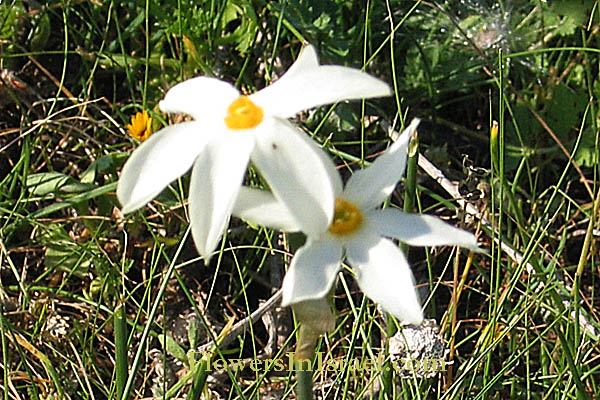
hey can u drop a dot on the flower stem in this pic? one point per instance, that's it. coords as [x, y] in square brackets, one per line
[410, 194]
[387, 374]
[315, 318]
[305, 350]
[411, 174]
[304, 387]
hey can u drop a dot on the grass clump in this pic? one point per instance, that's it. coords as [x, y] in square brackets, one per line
[95, 304]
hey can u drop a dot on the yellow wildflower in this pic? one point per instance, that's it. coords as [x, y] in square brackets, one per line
[140, 126]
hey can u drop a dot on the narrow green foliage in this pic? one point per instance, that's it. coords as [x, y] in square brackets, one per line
[508, 97]
[121, 360]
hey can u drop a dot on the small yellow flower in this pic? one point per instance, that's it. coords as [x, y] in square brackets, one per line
[140, 126]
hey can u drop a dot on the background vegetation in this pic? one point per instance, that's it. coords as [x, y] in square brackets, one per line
[99, 305]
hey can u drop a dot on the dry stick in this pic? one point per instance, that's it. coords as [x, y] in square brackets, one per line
[452, 189]
[241, 326]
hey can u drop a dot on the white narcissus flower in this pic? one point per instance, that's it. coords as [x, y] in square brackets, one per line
[360, 230]
[230, 129]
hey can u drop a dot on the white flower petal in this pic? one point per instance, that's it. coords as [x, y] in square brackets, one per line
[299, 174]
[262, 208]
[420, 230]
[313, 271]
[369, 187]
[306, 61]
[165, 156]
[200, 97]
[317, 86]
[384, 275]
[216, 179]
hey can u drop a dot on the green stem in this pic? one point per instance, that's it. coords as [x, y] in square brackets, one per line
[387, 375]
[411, 174]
[304, 387]
[306, 343]
[121, 365]
[410, 182]
[305, 350]
[585, 250]
[589, 235]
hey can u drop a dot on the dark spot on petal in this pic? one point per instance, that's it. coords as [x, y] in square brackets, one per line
[274, 146]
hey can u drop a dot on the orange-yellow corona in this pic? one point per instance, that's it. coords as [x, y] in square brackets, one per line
[243, 114]
[346, 218]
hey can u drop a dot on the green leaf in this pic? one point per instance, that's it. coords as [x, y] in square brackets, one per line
[46, 182]
[577, 11]
[101, 165]
[566, 27]
[240, 12]
[64, 254]
[75, 199]
[9, 19]
[173, 348]
[586, 154]
[564, 110]
[41, 32]
[67, 259]
[193, 331]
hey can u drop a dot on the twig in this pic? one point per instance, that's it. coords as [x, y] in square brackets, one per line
[241, 326]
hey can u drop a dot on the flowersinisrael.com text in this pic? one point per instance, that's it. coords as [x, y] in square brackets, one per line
[289, 363]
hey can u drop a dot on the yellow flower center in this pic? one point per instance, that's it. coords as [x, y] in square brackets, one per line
[243, 114]
[140, 126]
[346, 218]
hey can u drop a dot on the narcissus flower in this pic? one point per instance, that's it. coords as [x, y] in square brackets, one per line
[360, 231]
[140, 127]
[230, 129]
